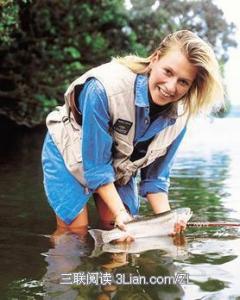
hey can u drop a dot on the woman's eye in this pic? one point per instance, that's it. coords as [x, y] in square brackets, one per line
[167, 72]
[183, 82]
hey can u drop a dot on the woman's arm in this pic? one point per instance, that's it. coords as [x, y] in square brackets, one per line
[155, 178]
[97, 149]
[96, 139]
[155, 181]
[159, 202]
[110, 196]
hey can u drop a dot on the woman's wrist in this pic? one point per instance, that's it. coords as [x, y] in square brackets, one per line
[121, 211]
[110, 196]
[159, 202]
[121, 218]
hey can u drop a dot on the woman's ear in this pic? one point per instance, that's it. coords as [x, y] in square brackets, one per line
[154, 58]
[152, 61]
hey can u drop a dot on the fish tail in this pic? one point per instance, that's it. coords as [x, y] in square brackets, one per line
[97, 236]
[97, 251]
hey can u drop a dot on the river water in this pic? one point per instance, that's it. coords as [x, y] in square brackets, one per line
[204, 263]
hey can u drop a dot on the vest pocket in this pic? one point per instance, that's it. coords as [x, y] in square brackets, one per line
[118, 136]
[72, 155]
[72, 149]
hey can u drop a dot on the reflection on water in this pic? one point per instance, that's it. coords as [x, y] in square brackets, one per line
[171, 246]
[205, 177]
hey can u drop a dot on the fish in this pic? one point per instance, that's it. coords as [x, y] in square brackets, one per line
[144, 226]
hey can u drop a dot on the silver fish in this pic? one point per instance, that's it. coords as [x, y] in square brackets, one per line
[143, 227]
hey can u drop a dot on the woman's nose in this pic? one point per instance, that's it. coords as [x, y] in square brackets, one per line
[171, 86]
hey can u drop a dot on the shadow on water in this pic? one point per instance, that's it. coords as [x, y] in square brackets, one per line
[33, 263]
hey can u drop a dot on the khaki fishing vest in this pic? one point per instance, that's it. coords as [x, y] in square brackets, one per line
[118, 82]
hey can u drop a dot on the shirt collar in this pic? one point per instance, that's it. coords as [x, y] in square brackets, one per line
[141, 91]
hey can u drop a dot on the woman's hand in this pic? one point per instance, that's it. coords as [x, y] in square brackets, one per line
[111, 198]
[160, 203]
[180, 226]
[123, 217]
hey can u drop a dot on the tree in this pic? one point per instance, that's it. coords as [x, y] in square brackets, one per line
[45, 44]
[48, 44]
[152, 20]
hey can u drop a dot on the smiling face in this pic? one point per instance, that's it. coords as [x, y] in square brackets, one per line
[171, 77]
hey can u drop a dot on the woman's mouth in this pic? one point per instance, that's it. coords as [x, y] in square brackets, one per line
[164, 93]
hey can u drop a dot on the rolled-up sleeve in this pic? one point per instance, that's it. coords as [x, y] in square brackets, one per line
[96, 140]
[155, 177]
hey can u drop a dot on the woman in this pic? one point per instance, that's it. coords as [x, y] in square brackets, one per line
[127, 115]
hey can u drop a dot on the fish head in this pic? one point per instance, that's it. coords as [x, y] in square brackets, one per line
[183, 214]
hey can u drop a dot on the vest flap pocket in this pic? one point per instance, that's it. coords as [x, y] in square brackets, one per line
[72, 152]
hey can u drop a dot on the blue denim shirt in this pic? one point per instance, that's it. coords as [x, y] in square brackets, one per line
[66, 196]
[97, 142]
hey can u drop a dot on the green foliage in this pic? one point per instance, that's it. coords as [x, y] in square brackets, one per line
[9, 21]
[44, 45]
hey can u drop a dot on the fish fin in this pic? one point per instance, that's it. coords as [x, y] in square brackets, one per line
[97, 236]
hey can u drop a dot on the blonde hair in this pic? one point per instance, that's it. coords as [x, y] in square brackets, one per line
[206, 93]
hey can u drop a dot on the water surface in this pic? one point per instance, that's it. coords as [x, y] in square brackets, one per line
[205, 178]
